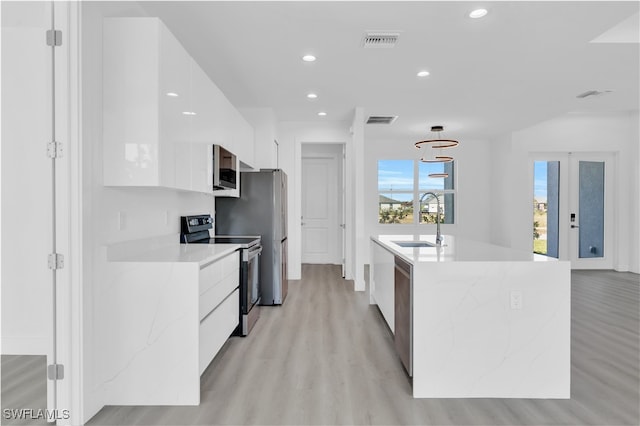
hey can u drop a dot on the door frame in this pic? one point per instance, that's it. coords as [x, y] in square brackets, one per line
[71, 320]
[567, 244]
[349, 206]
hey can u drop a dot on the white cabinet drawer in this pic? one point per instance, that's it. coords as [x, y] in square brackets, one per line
[216, 294]
[212, 274]
[383, 283]
[216, 328]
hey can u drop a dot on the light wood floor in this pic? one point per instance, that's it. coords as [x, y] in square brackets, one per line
[24, 385]
[327, 357]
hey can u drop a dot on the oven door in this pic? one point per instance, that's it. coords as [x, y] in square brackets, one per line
[251, 281]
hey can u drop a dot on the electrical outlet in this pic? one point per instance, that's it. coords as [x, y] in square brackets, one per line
[516, 300]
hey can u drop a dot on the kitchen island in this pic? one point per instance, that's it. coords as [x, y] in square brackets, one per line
[476, 320]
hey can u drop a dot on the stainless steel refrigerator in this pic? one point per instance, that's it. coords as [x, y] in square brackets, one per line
[261, 210]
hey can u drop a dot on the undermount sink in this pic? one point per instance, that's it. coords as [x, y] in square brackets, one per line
[414, 243]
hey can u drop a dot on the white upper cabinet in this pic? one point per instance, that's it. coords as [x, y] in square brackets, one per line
[209, 106]
[264, 124]
[162, 113]
[243, 139]
[174, 106]
[131, 131]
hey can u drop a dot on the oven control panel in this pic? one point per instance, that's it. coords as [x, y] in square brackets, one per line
[190, 224]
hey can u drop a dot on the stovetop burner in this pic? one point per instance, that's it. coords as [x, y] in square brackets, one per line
[245, 242]
[230, 239]
[195, 230]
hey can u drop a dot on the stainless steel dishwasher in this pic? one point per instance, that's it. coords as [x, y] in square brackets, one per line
[403, 336]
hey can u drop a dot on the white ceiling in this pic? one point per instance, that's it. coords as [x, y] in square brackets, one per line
[523, 63]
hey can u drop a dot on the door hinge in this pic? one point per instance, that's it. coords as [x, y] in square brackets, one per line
[54, 149]
[56, 261]
[55, 371]
[54, 38]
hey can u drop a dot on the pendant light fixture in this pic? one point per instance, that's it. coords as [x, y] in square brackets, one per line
[439, 143]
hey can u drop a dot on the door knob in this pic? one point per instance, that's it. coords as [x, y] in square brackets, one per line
[575, 226]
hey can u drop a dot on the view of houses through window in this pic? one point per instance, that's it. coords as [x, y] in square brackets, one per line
[404, 187]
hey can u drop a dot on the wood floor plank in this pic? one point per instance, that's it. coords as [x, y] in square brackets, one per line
[327, 357]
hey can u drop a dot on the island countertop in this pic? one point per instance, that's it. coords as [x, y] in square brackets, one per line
[454, 249]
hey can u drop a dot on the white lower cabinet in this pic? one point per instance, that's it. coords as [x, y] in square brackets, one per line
[159, 323]
[382, 282]
[216, 327]
[219, 309]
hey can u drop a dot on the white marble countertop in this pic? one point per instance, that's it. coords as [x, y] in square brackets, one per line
[454, 249]
[176, 252]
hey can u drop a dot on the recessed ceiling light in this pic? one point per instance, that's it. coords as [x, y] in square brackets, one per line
[172, 94]
[322, 113]
[478, 13]
[312, 96]
[308, 58]
[423, 73]
[188, 113]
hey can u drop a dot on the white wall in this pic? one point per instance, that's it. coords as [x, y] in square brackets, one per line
[26, 179]
[356, 215]
[146, 212]
[500, 223]
[634, 249]
[291, 136]
[585, 132]
[473, 200]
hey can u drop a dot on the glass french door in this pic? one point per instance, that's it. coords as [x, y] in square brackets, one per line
[572, 208]
[590, 216]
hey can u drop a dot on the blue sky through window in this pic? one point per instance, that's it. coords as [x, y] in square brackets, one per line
[540, 180]
[395, 175]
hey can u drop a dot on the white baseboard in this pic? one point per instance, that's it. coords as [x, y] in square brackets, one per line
[17, 345]
[622, 268]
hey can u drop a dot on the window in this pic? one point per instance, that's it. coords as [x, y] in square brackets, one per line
[404, 187]
[395, 191]
[442, 186]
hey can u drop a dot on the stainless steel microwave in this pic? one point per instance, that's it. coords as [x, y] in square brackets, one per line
[224, 169]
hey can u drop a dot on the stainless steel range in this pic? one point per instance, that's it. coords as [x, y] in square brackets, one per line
[195, 230]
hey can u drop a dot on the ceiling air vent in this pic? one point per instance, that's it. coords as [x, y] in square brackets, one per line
[380, 40]
[381, 119]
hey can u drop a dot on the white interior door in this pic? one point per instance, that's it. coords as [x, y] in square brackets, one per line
[319, 211]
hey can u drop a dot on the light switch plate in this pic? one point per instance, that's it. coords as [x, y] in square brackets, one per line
[516, 300]
[121, 221]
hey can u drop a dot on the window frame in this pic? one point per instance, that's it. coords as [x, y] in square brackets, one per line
[417, 192]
